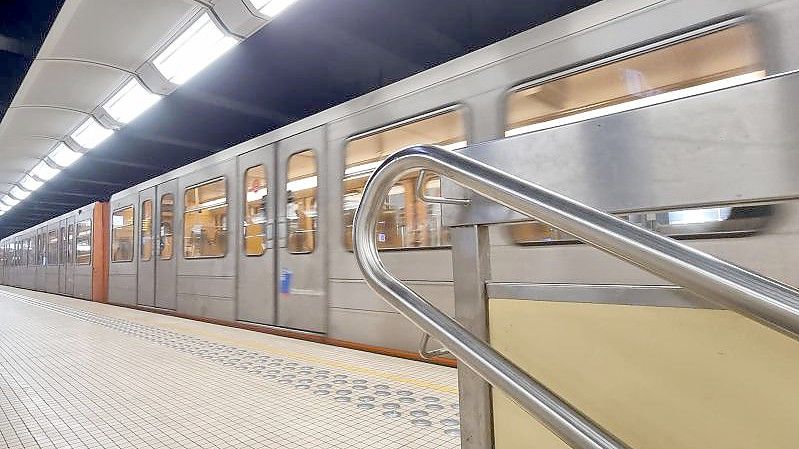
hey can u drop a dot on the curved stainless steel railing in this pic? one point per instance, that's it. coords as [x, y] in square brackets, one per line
[767, 301]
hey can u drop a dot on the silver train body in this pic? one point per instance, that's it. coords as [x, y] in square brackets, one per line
[322, 291]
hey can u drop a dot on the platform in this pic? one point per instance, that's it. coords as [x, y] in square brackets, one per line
[77, 374]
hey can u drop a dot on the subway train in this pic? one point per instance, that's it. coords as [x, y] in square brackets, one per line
[260, 234]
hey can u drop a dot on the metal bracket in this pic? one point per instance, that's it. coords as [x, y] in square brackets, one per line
[430, 354]
[435, 199]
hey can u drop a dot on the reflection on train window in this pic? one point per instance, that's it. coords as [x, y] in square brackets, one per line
[166, 230]
[405, 221]
[70, 252]
[41, 249]
[63, 243]
[255, 193]
[301, 215]
[146, 231]
[27, 252]
[83, 244]
[52, 247]
[122, 235]
[716, 222]
[205, 220]
[704, 63]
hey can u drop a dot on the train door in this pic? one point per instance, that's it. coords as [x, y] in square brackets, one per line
[146, 259]
[53, 253]
[68, 262]
[255, 285]
[166, 268]
[301, 252]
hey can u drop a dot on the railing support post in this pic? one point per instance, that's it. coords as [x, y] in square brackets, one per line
[472, 268]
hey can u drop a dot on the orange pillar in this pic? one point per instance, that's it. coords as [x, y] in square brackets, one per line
[100, 242]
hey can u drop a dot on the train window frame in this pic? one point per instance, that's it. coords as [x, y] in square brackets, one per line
[161, 235]
[145, 238]
[91, 242]
[638, 49]
[52, 261]
[314, 231]
[459, 108]
[245, 208]
[133, 231]
[226, 222]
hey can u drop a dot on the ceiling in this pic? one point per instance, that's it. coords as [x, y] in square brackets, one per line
[316, 54]
[23, 27]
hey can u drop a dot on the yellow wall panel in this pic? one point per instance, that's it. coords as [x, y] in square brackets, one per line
[657, 377]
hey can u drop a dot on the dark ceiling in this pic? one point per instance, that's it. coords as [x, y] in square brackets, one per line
[23, 26]
[315, 55]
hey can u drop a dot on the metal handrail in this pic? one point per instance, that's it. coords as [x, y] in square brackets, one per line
[767, 301]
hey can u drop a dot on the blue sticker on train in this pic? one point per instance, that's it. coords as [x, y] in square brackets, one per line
[285, 281]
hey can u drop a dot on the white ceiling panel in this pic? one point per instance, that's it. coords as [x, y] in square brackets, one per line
[19, 155]
[38, 122]
[120, 33]
[68, 84]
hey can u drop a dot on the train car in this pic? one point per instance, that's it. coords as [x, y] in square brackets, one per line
[260, 233]
[57, 256]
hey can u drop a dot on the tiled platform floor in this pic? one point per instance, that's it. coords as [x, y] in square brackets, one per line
[76, 374]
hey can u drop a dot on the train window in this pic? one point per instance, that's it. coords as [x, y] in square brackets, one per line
[687, 66]
[39, 248]
[146, 231]
[71, 244]
[255, 193]
[405, 221]
[122, 235]
[62, 243]
[52, 247]
[736, 221]
[83, 242]
[301, 215]
[28, 247]
[166, 232]
[205, 220]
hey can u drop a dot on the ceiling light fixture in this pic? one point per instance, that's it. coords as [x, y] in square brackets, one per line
[271, 8]
[10, 201]
[19, 193]
[91, 133]
[30, 183]
[44, 172]
[132, 100]
[197, 47]
[63, 156]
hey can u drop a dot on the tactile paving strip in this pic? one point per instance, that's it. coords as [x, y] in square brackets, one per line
[372, 399]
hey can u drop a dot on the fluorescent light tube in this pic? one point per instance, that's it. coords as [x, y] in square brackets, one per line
[91, 133]
[18, 193]
[271, 8]
[10, 201]
[30, 183]
[454, 146]
[197, 47]
[301, 184]
[132, 100]
[44, 171]
[63, 155]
